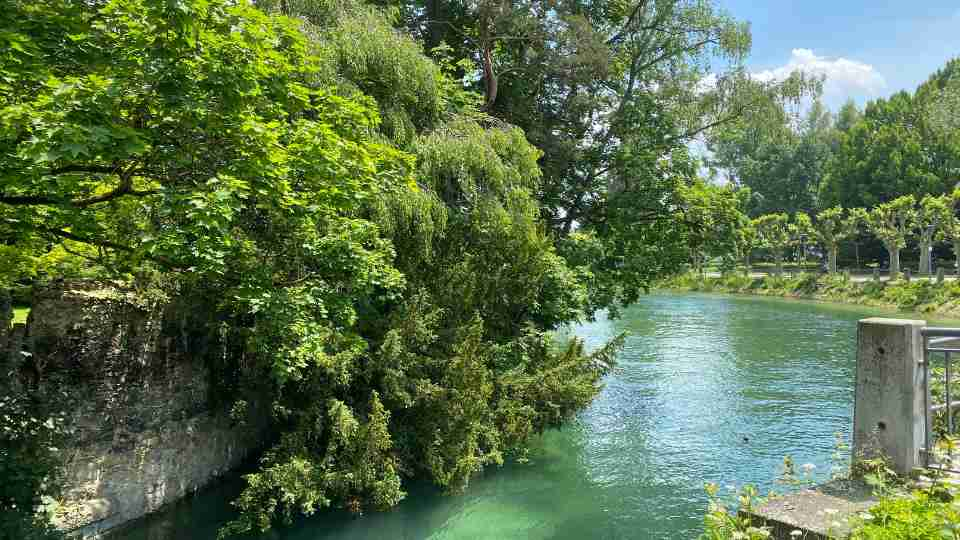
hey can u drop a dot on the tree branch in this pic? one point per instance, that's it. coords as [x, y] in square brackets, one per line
[124, 188]
[27, 200]
[92, 241]
[96, 169]
[104, 243]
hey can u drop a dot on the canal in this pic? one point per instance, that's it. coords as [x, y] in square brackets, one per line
[708, 389]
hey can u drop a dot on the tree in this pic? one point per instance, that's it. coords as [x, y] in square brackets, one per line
[944, 110]
[195, 141]
[901, 145]
[780, 160]
[99, 150]
[395, 312]
[950, 228]
[848, 116]
[714, 217]
[931, 214]
[747, 241]
[830, 229]
[611, 95]
[939, 96]
[892, 223]
[777, 235]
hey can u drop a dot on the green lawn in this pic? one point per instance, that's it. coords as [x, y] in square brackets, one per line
[20, 314]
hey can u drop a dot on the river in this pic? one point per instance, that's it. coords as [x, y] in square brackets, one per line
[708, 389]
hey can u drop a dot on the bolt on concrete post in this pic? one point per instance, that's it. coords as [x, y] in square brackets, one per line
[888, 414]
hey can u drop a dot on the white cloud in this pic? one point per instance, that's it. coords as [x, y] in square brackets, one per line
[844, 77]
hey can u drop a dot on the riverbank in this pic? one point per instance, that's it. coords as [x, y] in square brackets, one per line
[917, 295]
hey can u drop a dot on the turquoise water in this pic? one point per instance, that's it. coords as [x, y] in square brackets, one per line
[708, 389]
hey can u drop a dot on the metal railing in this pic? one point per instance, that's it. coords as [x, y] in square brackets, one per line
[939, 344]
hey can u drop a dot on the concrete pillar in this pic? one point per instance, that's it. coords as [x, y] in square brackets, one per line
[906, 275]
[889, 407]
[940, 275]
[876, 274]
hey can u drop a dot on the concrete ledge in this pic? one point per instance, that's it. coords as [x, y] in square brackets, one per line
[819, 513]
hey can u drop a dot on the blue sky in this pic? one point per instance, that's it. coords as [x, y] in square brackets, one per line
[867, 48]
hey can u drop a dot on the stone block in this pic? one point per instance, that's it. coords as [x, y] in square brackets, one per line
[822, 513]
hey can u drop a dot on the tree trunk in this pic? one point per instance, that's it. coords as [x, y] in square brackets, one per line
[956, 252]
[436, 16]
[746, 265]
[894, 262]
[486, 56]
[832, 259]
[489, 76]
[924, 257]
[778, 262]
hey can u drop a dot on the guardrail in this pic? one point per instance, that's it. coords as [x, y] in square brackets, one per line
[939, 344]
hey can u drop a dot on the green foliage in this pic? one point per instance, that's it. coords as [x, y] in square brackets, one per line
[895, 149]
[456, 354]
[356, 463]
[611, 95]
[830, 229]
[191, 139]
[950, 226]
[891, 223]
[917, 296]
[723, 523]
[776, 233]
[932, 214]
[782, 161]
[916, 517]
[714, 216]
[101, 151]
[20, 314]
[906, 144]
[29, 467]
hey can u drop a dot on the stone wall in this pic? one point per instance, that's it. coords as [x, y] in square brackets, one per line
[146, 426]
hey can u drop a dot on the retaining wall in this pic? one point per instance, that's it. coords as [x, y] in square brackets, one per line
[146, 426]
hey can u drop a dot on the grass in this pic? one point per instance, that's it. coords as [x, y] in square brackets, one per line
[20, 314]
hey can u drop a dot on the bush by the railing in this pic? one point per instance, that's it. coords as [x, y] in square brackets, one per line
[919, 516]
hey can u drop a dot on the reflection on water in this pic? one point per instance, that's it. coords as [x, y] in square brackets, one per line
[708, 388]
